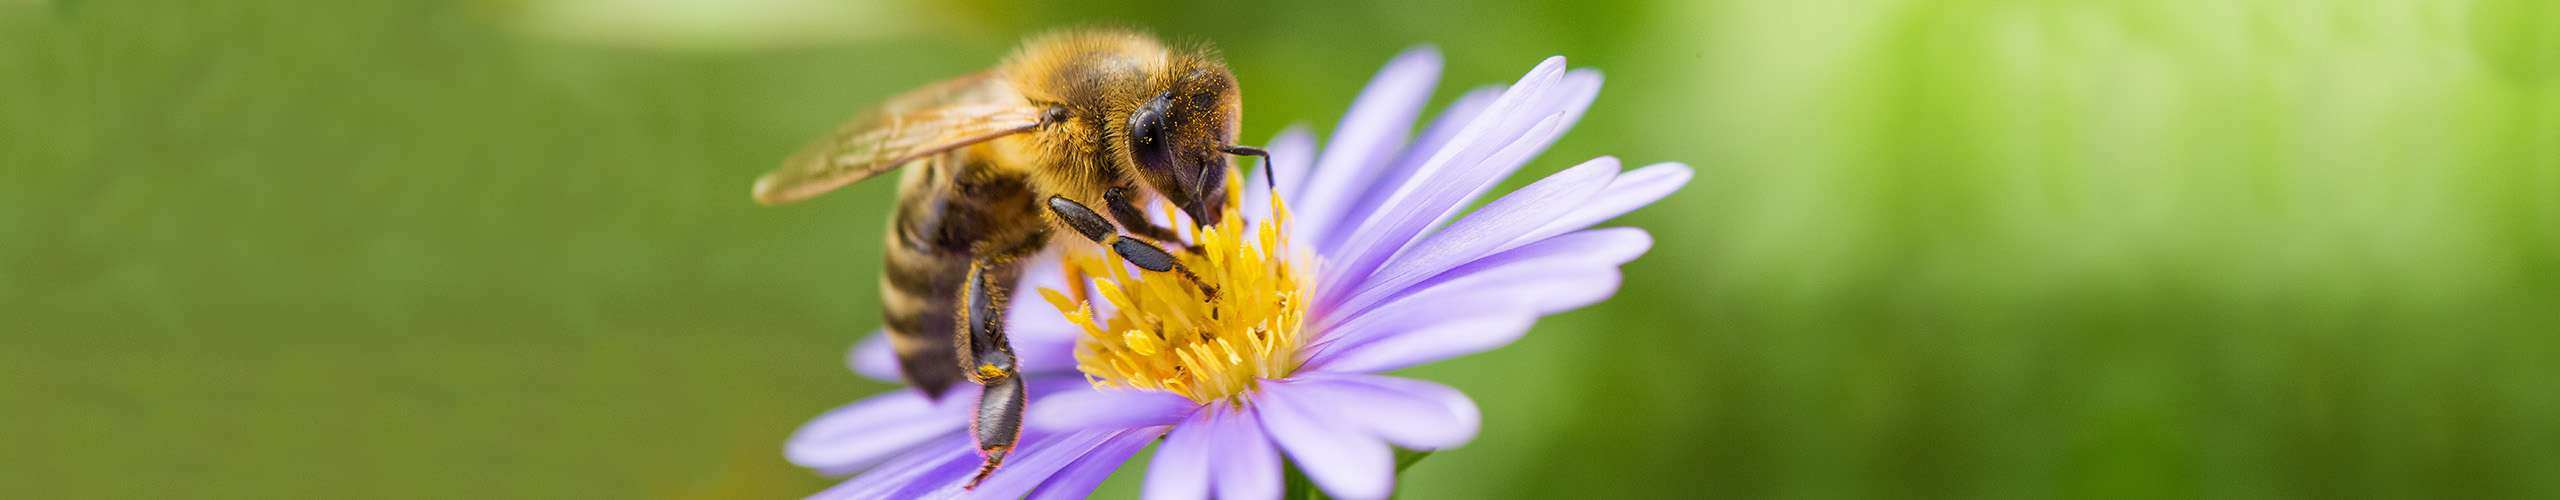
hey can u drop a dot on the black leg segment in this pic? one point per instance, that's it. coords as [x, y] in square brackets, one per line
[1147, 256]
[989, 355]
[1085, 222]
[1124, 206]
[998, 426]
[986, 356]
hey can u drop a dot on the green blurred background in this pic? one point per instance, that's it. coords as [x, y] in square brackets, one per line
[1960, 249]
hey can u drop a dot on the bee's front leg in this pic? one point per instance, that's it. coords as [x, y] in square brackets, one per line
[1124, 206]
[1146, 255]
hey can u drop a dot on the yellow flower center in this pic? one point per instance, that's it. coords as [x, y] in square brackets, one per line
[1166, 334]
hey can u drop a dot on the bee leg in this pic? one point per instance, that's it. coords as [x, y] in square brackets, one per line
[1147, 256]
[1125, 208]
[987, 358]
[998, 426]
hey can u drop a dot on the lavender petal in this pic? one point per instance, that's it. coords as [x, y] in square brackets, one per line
[1044, 356]
[949, 479]
[1078, 479]
[1571, 98]
[1101, 409]
[1451, 120]
[1247, 466]
[914, 470]
[1489, 228]
[1181, 467]
[1412, 414]
[1044, 342]
[1344, 464]
[1367, 137]
[1450, 174]
[858, 435]
[1523, 291]
[1028, 317]
[1562, 107]
[1435, 341]
[1579, 252]
[1627, 193]
[1039, 459]
[872, 358]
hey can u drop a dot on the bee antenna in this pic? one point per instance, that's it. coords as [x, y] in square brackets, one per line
[1242, 150]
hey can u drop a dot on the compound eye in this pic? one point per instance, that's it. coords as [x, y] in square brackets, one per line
[1147, 127]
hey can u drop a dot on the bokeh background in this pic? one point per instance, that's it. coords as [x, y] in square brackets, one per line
[1951, 249]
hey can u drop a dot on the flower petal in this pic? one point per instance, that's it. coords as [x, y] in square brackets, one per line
[1044, 342]
[1041, 456]
[1446, 126]
[1452, 119]
[1453, 172]
[924, 469]
[1571, 98]
[872, 358]
[1246, 466]
[1436, 341]
[1577, 253]
[946, 480]
[1388, 232]
[1344, 464]
[1505, 291]
[1589, 249]
[1409, 413]
[1367, 137]
[1106, 409]
[1181, 467]
[858, 435]
[1078, 479]
[1029, 318]
[1627, 193]
[1045, 357]
[1490, 228]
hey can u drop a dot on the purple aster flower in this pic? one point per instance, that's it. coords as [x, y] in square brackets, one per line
[1358, 265]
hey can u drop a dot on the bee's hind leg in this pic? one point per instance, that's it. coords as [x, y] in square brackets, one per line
[987, 358]
[1146, 255]
[998, 426]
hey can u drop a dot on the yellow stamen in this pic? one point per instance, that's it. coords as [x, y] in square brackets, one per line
[1165, 334]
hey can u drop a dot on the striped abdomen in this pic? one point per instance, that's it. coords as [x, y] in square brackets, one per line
[949, 207]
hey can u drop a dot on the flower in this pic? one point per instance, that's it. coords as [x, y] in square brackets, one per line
[1357, 266]
[1311, 304]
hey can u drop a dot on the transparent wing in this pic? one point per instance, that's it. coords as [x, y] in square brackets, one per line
[937, 118]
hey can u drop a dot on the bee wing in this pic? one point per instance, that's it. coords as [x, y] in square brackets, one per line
[937, 118]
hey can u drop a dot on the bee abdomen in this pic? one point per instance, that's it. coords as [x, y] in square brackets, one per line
[920, 277]
[917, 289]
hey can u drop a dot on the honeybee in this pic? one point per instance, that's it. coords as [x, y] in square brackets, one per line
[997, 162]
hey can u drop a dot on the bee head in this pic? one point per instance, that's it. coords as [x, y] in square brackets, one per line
[1178, 135]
